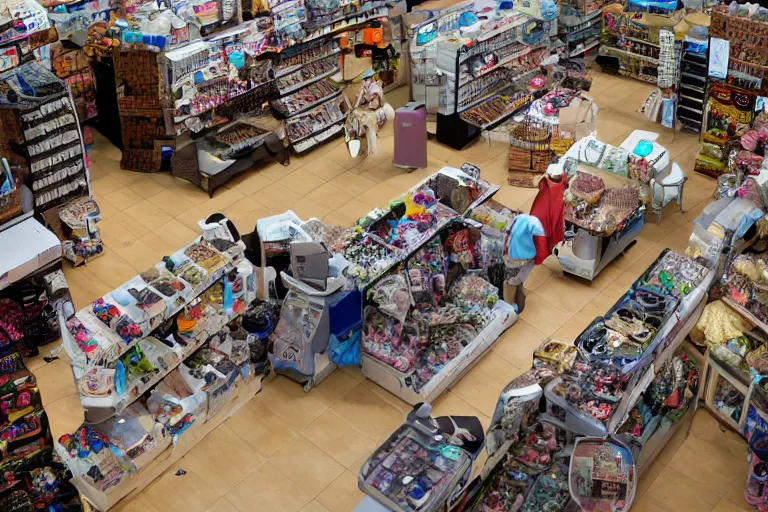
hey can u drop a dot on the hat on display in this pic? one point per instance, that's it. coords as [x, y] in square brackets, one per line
[368, 73]
[469, 24]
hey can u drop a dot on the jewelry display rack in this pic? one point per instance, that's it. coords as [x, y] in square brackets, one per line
[491, 78]
[41, 136]
[665, 342]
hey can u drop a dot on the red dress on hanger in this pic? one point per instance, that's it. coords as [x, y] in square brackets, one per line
[548, 207]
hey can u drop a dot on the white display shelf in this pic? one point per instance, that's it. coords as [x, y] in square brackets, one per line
[387, 377]
[134, 483]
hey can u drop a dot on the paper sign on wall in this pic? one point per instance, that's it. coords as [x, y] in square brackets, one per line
[718, 57]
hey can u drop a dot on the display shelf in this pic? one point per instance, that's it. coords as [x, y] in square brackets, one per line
[319, 130]
[589, 46]
[131, 486]
[503, 62]
[625, 53]
[294, 88]
[746, 315]
[720, 375]
[119, 404]
[287, 71]
[380, 12]
[314, 104]
[482, 44]
[640, 372]
[319, 138]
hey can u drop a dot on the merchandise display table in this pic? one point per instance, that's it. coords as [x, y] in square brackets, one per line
[605, 209]
[566, 457]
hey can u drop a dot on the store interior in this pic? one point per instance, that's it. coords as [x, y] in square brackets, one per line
[369, 256]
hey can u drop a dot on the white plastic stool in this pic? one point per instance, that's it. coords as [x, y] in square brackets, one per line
[667, 189]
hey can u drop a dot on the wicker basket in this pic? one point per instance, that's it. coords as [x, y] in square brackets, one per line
[531, 135]
[10, 204]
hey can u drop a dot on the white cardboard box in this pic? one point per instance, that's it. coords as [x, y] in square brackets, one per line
[25, 248]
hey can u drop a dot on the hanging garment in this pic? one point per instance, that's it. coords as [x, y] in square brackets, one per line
[548, 207]
[521, 238]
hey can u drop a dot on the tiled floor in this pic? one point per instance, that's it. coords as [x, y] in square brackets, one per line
[287, 451]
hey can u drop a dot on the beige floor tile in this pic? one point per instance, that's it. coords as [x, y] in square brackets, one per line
[325, 168]
[262, 429]
[481, 386]
[380, 194]
[141, 503]
[393, 400]
[267, 488]
[685, 493]
[172, 202]
[65, 414]
[84, 286]
[124, 198]
[726, 505]
[302, 182]
[708, 464]
[342, 495]
[450, 404]
[276, 196]
[146, 188]
[111, 269]
[706, 427]
[114, 234]
[187, 493]
[329, 195]
[538, 276]
[339, 439]
[140, 255]
[249, 182]
[542, 315]
[55, 381]
[223, 505]
[334, 387]
[353, 183]
[314, 506]
[367, 412]
[306, 208]
[149, 214]
[176, 233]
[306, 465]
[222, 459]
[573, 327]
[567, 293]
[288, 400]
[106, 185]
[518, 343]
